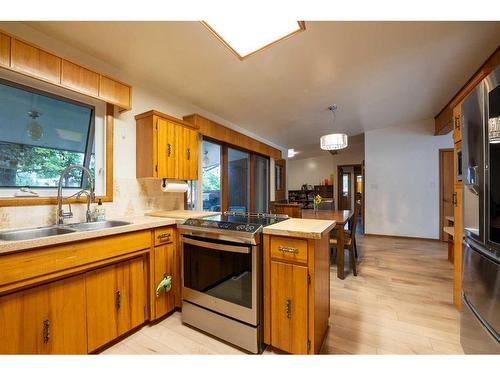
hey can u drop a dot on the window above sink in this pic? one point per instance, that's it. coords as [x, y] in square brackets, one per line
[43, 130]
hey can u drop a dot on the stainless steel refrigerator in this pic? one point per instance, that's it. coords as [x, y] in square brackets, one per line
[480, 314]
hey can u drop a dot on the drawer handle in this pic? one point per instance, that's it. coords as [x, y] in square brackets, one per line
[164, 237]
[288, 308]
[46, 331]
[287, 249]
[164, 285]
[118, 298]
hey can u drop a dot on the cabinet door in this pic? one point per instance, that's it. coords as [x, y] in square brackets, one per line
[289, 306]
[167, 148]
[102, 305]
[131, 295]
[49, 319]
[164, 265]
[116, 301]
[4, 50]
[192, 154]
[35, 62]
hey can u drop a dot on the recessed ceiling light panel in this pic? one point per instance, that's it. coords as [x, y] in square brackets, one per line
[244, 38]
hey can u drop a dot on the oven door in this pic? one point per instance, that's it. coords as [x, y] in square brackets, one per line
[221, 276]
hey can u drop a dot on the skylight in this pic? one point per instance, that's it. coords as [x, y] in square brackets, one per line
[244, 38]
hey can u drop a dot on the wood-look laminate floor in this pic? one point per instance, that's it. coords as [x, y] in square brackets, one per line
[400, 303]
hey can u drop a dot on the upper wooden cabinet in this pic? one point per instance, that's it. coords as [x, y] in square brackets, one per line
[35, 62]
[166, 147]
[79, 78]
[28, 59]
[4, 50]
[115, 92]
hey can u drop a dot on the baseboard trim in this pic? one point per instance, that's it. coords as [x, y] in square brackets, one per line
[402, 237]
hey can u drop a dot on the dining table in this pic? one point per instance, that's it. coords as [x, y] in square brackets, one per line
[341, 217]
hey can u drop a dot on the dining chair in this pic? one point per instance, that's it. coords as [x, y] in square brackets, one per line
[350, 241]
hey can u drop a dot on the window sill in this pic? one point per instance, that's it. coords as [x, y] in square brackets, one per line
[41, 201]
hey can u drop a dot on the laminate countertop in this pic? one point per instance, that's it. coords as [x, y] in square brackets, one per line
[302, 228]
[136, 223]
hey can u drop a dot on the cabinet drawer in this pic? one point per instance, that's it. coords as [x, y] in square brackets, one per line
[164, 236]
[291, 249]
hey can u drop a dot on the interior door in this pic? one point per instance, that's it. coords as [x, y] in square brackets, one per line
[289, 304]
[345, 191]
[446, 187]
[280, 180]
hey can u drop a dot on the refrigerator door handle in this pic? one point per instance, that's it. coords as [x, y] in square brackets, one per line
[471, 181]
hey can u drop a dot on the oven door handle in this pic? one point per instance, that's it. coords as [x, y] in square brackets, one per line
[218, 246]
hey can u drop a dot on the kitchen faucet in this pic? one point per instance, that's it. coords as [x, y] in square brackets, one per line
[61, 215]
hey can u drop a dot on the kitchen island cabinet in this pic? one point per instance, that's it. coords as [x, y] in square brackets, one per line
[297, 284]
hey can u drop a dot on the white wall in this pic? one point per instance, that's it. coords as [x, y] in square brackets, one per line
[313, 171]
[402, 180]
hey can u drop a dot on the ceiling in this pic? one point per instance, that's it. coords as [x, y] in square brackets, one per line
[378, 73]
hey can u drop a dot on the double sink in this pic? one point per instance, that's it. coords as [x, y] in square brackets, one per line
[56, 230]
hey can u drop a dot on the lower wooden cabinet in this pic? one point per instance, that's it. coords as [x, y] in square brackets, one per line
[49, 319]
[289, 307]
[116, 301]
[164, 266]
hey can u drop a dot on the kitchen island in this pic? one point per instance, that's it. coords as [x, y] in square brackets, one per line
[297, 284]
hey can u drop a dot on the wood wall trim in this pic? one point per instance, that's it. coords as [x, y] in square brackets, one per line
[218, 132]
[108, 197]
[45, 71]
[444, 119]
[154, 112]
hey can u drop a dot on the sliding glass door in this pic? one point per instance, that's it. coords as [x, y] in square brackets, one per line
[211, 176]
[233, 179]
[238, 180]
[260, 184]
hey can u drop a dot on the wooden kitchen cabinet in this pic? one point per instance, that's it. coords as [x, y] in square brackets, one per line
[116, 301]
[296, 292]
[166, 147]
[78, 78]
[289, 307]
[115, 92]
[48, 319]
[35, 62]
[164, 264]
[5, 41]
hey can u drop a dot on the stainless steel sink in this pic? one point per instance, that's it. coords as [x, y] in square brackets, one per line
[98, 225]
[29, 234]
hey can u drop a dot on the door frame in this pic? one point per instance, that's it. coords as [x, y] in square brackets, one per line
[442, 236]
[362, 167]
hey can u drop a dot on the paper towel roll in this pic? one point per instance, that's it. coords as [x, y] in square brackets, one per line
[173, 186]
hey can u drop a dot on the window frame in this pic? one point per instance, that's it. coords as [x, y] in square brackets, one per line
[225, 177]
[90, 134]
[52, 200]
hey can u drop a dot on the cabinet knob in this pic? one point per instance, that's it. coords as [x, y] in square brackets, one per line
[46, 331]
[118, 298]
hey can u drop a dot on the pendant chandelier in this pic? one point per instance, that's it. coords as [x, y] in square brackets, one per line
[334, 141]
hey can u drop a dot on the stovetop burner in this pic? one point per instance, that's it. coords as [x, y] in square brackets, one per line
[237, 221]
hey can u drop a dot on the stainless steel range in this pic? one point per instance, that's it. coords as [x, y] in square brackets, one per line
[222, 276]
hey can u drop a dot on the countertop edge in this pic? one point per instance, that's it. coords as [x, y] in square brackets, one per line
[137, 223]
[277, 230]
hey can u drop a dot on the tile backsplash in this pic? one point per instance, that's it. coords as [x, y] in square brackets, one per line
[131, 197]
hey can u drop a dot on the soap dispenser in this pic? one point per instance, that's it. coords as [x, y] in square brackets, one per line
[100, 212]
